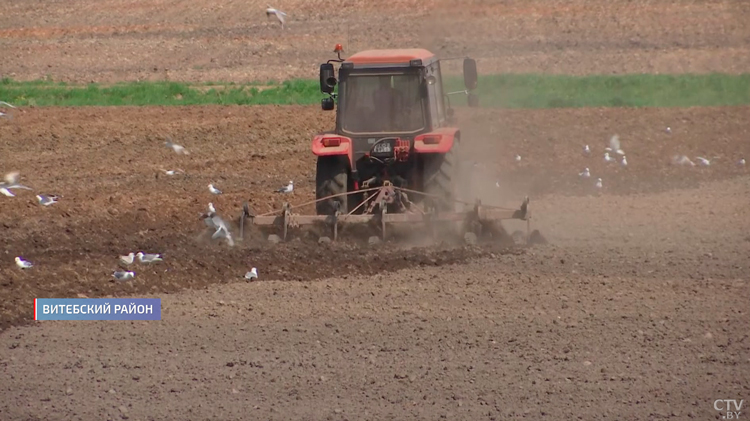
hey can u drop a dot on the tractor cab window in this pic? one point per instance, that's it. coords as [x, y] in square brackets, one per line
[382, 103]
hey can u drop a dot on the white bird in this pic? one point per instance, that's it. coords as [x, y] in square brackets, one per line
[6, 115]
[122, 275]
[614, 145]
[222, 231]
[742, 161]
[598, 183]
[253, 274]
[624, 161]
[148, 258]
[23, 264]
[586, 150]
[270, 11]
[669, 130]
[585, 174]
[286, 189]
[10, 181]
[682, 160]
[179, 149]
[705, 162]
[497, 184]
[213, 189]
[518, 158]
[173, 172]
[211, 208]
[128, 259]
[45, 200]
[608, 158]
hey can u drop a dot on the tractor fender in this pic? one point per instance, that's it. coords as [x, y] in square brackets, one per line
[436, 141]
[329, 144]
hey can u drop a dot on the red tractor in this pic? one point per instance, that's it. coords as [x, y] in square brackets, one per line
[392, 127]
[393, 156]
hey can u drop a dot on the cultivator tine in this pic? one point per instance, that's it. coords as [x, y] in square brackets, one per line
[383, 211]
[336, 213]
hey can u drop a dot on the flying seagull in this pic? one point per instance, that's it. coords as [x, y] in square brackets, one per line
[286, 189]
[173, 172]
[705, 162]
[45, 200]
[10, 181]
[179, 149]
[6, 115]
[23, 264]
[122, 275]
[253, 274]
[614, 145]
[270, 11]
[148, 258]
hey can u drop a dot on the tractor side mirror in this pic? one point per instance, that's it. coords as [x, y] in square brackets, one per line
[470, 73]
[327, 78]
[473, 100]
[326, 104]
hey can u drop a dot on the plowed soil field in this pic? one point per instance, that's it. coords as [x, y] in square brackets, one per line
[636, 308]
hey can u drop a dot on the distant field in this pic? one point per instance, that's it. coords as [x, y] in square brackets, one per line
[499, 91]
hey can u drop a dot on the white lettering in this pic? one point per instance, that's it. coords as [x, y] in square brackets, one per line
[141, 309]
[117, 308]
[149, 309]
[132, 308]
[106, 308]
[76, 309]
[45, 309]
[68, 309]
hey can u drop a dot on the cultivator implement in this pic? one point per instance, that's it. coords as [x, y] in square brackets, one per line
[385, 206]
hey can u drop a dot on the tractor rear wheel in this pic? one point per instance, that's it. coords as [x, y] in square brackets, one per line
[331, 177]
[441, 178]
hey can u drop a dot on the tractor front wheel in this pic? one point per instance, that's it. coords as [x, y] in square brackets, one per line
[331, 177]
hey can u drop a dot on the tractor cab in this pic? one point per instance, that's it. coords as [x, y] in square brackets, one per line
[390, 92]
[393, 122]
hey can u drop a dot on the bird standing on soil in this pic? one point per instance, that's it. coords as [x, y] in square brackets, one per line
[148, 258]
[122, 275]
[608, 158]
[624, 161]
[23, 264]
[128, 259]
[286, 189]
[586, 173]
[213, 189]
[518, 158]
[253, 274]
[270, 11]
[742, 161]
[598, 183]
[586, 150]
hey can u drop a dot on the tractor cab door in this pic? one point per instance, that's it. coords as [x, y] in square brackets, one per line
[435, 97]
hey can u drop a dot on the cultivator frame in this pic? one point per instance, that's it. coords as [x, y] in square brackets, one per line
[475, 220]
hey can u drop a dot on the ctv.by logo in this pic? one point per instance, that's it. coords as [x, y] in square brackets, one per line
[729, 407]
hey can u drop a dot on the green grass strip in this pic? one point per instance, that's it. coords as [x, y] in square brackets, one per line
[497, 91]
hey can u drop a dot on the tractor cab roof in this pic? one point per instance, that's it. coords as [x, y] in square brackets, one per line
[390, 57]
